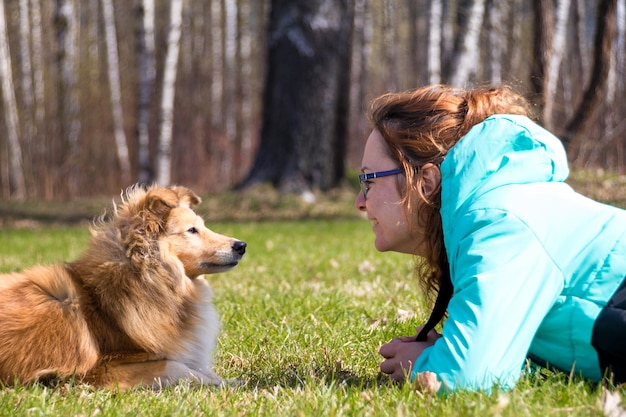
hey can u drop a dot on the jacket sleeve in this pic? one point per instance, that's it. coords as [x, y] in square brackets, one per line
[504, 285]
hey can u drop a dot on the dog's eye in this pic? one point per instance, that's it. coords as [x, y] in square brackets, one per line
[192, 230]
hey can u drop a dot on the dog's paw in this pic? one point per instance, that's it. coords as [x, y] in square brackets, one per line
[233, 383]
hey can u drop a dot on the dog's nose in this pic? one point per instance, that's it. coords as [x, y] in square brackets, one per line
[239, 247]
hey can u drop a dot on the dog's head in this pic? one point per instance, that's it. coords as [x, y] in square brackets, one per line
[165, 216]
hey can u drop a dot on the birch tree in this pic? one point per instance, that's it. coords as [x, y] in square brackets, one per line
[145, 86]
[115, 90]
[231, 76]
[217, 70]
[554, 61]
[164, 153]
[69, 106]
[16, 173]
[248, 39]
[613, 126]
[390, 44]
[496, 40]
[467, 58]
[26, 67]
[362, 49]
[67, 33]
[435, 23]
[603, 40]
[37, 63]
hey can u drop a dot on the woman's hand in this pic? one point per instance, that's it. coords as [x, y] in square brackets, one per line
[401, 353]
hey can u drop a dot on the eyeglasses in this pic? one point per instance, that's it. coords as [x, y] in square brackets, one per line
[364, 178]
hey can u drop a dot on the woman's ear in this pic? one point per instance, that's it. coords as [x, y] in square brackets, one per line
[431, 179]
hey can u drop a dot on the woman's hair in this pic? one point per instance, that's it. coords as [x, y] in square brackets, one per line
[420, 127]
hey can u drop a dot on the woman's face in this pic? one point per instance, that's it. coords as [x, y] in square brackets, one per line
[383, 205]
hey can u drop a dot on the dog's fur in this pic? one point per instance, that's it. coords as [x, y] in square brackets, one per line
[133, 310]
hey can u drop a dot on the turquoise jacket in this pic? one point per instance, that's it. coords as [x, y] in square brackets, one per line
[532, 262]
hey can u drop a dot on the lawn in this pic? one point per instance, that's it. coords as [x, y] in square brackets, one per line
[303, 316]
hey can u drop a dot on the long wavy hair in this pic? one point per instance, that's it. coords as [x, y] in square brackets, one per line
[420, 127]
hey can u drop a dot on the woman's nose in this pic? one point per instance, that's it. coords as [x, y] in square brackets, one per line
[359, 203]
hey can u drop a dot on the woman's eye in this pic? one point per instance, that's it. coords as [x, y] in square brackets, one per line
[192, 230]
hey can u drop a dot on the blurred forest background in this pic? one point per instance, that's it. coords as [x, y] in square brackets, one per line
[218, 94]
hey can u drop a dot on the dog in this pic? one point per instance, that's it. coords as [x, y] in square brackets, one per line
[133, 311]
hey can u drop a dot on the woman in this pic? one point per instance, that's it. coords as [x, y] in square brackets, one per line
[523, 265]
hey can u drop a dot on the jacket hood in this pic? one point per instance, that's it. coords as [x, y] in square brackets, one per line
[501, 150]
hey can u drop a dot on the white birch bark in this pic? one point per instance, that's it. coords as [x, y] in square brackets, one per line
[496, 41]
[68, 45]
[93, 36]
[556, 57]
[121, 145]
[434, 41]
[16, 173]
[390, 43]
[229, 78]
[447, 31]
[164, 156]
[467, 60]
[360, 59]
[147, 75]
[38, 63]
[620, 47]
[27, 84]
[246, 81]
[516, 36]
[216, 52]
[366, 51]
[26, 80]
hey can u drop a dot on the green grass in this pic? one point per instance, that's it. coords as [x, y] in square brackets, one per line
[303, 316]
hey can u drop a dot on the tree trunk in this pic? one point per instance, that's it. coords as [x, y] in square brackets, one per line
[164, 154]
[38, 63]
[467, 58]
[217, 70]
[611, 132]
[231, 75]
[116, 91]
[554, 61]
[26, 66]
[145, 86]
[40, 149]
[497, 39]
[435, 32]
[69, 105]
[390, 56]
[620, 64]
[605, 32]
[16, 174]
[542, 49]
[26, 80]
[303, 138]
[361, 47]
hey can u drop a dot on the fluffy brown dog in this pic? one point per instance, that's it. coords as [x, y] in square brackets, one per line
[134, 310]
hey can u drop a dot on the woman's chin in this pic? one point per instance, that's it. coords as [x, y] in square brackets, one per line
[381, 245]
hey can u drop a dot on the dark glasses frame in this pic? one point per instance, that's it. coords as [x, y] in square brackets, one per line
[371, 175]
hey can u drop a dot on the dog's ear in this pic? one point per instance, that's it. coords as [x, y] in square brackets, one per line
[142, 220]
[157, 205]
[187, 197]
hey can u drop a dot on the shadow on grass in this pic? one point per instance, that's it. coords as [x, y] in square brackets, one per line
[298, 376]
